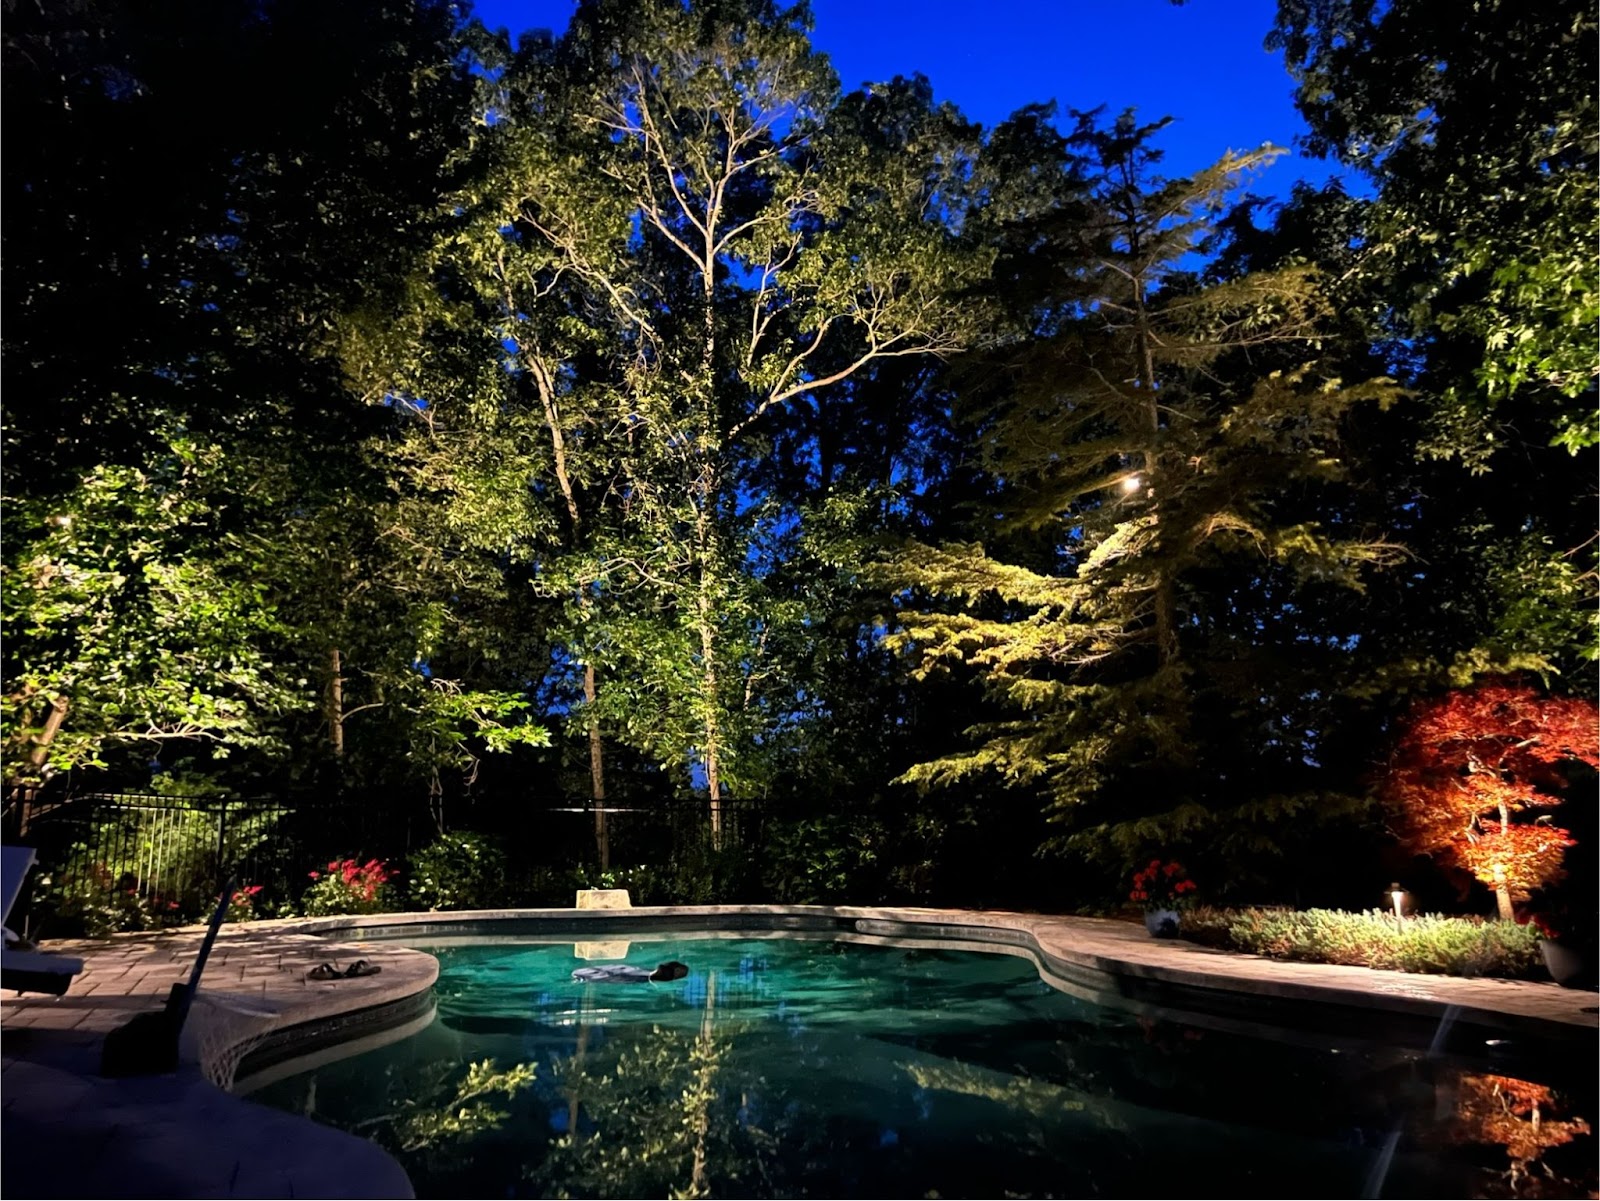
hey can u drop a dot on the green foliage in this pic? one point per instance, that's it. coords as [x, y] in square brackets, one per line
[652, 1104]
[162, 873]
[695, 873]
[422, 435]
[449, 721]
[824, 860]
[87, 899]
[122, 607]
[443, 1114]
[1170, 441]
[441, 1123]
[459, 871]
[1450, 946]
[1479, 127]
[1543, 599]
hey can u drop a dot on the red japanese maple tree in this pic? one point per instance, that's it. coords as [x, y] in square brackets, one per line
[1469, 773]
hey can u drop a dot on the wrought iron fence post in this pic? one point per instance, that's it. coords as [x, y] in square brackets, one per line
[222, 841]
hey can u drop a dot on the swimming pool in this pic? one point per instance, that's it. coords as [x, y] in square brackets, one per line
[791, 1066]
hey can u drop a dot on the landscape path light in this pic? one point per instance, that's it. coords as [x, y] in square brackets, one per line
[1401, 900]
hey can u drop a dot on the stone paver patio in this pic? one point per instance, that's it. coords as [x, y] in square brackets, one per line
[70, 1132]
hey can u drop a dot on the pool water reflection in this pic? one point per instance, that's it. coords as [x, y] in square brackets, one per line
[791, 1067]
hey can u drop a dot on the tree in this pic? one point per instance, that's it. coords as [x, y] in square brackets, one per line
[1479, 127]
[1471, 768]
[130, 624]
[1473, 269]
[201, 544]
[1156, 457]
[707, 209]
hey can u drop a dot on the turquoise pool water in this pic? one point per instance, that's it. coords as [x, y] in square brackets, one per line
[788, 1068]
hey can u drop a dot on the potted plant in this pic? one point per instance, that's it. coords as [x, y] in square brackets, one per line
[1165, 890]
[1569, 957]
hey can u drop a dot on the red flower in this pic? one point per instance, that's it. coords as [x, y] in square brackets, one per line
[1542, 923]
[1161, 885]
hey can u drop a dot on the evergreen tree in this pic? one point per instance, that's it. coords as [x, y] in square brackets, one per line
[1156, 455]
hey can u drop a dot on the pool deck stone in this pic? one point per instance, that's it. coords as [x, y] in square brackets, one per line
[67, 1131]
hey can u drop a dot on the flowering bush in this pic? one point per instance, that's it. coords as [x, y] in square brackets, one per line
[349, 887]
[242, 904]
[1162, 886]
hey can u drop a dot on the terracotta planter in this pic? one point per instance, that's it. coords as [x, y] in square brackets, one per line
[1569, 966]
[1161, 923]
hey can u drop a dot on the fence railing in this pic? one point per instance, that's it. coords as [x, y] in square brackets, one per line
[132, 861]
[126, 861]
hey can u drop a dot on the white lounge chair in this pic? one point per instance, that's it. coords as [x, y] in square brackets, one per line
[28, 971]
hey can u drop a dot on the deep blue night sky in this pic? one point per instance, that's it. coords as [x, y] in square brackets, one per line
[1201, 63]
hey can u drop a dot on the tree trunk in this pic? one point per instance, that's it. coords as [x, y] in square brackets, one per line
[558, 451]
[708, 487]
[1502, 898]
[1502, 891]
[708, 652]
[597, 774]
[698, 1186]
[1166, 605]
[573, 1099]
[335, 703]
[52, 726]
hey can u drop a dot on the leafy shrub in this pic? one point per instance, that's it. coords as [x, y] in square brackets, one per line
[823, 860]
[242, 904]
[91, 899]
[1448, 946]
[459, 871]
[645, 884]
[349, 887]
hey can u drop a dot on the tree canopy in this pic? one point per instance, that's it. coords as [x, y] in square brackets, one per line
[633, 419]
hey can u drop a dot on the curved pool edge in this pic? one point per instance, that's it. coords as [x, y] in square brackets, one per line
[1083, 952]
[182, 1134]
[255, 990]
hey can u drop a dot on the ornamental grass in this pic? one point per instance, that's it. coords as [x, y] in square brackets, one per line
[1447, 946]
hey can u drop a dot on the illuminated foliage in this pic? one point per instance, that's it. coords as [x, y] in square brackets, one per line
[1478, 125]
[1515, 1114]
[1470, 772]
[1151, 444]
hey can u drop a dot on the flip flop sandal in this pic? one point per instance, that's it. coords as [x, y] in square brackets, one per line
[324, 971]
[361, 968]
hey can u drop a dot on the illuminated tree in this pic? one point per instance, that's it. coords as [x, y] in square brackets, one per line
[1469, 772]
[1514, 1114]
[1165, 434]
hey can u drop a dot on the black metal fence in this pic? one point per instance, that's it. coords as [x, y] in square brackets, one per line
[118, 861]
[127, 861]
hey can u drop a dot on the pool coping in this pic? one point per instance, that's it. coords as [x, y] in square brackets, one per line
[249, 998]
[1078, 950]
